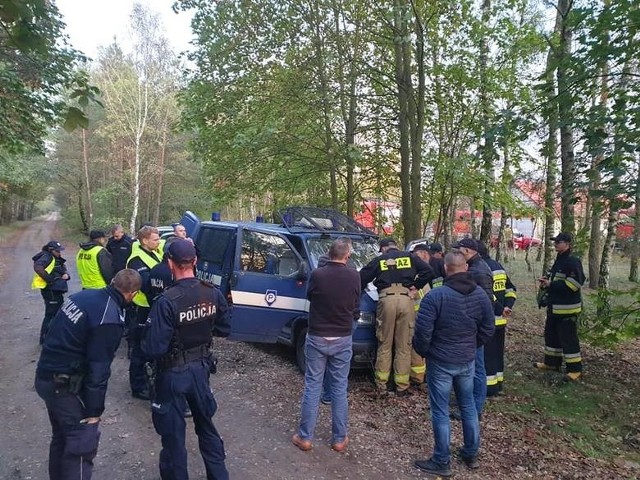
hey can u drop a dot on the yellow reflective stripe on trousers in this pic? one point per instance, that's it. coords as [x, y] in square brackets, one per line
[572, 357]
[401, 379]
[419, 369]
[500, 321]
[382, 376]
[492, 380]
[566, 309]
[553, 352]
[500, 376]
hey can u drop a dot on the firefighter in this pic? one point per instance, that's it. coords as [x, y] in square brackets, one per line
[504, 292]
[563, 284]
[142, 259]
[93, 262]
[395, 274]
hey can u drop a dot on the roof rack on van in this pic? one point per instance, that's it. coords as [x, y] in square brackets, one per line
[320, 219]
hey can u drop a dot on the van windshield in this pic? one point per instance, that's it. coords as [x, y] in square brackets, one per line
[363, 252]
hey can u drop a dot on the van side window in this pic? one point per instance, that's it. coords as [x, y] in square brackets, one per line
[213, 244]
[268, 254]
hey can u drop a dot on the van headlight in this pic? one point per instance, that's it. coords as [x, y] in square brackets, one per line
[367, 318]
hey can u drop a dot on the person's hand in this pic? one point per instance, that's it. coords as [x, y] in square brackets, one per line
[506, 312]
[413, 293]
[544, 281]
[90, 420]
[65, 276]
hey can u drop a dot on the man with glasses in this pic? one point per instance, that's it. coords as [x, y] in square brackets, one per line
[564, 304]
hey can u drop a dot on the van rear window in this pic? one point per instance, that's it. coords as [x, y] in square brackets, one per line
[213, 244]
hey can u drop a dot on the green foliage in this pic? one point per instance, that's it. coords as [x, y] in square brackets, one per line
[614, 316]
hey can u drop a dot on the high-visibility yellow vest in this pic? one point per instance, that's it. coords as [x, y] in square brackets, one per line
[88, 268]
[38, 281]
[141, 299]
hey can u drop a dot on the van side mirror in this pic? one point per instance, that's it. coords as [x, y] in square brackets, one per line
[303, 272]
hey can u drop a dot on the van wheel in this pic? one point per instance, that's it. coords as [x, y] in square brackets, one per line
[301, 359]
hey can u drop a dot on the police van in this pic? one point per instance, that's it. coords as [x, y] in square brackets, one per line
[263, 270]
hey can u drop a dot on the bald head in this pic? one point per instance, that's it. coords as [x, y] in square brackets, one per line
[455, 262]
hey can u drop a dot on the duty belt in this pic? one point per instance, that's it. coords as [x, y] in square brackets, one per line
[183, 357]
[395, 289]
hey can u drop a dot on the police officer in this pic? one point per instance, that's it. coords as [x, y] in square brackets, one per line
[93, 262]
[181, 324]
[564, 284]
[504, 292]
[119, 246]
[142, 259]
[160, 276]
[74, 369]
[395, 274]
[51, 279]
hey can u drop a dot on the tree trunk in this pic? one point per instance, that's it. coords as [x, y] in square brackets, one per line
[160, 176]
[604, 307]
[551, 151]
[85, 164]
[633, 269]
[565, 115]
[487, 153]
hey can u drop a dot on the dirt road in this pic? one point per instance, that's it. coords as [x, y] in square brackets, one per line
[258, 392]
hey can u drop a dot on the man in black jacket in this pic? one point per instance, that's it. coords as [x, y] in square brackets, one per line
[51, 279]
[334, 296]
[452, 321]
[119, 245]
[74, 370]
[564, 284]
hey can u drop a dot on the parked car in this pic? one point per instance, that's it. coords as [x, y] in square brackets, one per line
[522, 242]
[263, 270]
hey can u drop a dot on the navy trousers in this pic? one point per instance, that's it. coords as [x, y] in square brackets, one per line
[175, 388]
[137, 359]
[73, 445]
[52, 303]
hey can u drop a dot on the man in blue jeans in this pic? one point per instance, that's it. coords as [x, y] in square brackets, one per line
[334, 296]
[452, 322]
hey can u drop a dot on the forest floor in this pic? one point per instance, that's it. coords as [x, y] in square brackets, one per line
[540, 428]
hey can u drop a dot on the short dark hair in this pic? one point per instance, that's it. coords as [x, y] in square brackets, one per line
[455, 262]
[127, 281]
[340, 248]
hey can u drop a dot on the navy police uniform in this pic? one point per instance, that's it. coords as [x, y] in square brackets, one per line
[49, 270]
[72, 376]
[160, 279]
[180, 327]
[120, 251]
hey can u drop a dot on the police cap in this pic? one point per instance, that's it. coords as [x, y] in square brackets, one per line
[563, 237]
[469, 243]
[420, 247]
[53, 245]
[435, 247]
[96, 234]
[182, 251]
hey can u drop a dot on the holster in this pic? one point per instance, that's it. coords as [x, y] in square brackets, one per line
[72, 383]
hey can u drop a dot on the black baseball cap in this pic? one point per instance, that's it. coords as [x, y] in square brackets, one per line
[53, 245]
[469, 243]
[435, 247]
[386, 242]
[182, 251]
[563, 237]
[421, 247]
[96, 234]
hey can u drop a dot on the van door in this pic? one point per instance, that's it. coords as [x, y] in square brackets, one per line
[266, 289]
[215, 246]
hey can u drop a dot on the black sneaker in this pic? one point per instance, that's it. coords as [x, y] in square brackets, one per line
[432, 467]
[325, 400]
[455, 415]
[142, 395]
[471, 462]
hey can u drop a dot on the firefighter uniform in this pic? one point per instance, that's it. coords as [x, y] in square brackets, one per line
[141, 260]
[564, 305]
[504, 292]
[418, 363]
[394, 273]
[181, 324]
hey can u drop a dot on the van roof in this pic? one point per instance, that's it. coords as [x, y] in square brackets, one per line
[277, 228]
